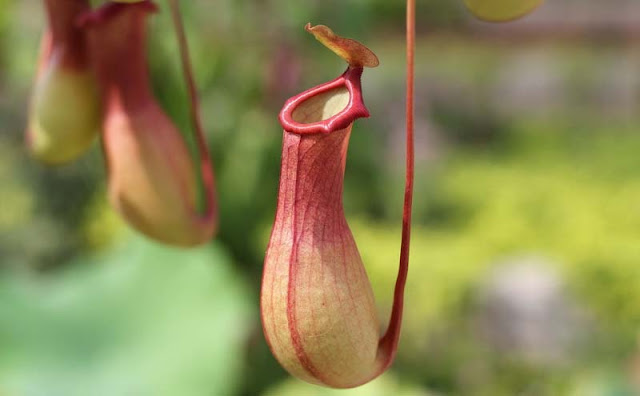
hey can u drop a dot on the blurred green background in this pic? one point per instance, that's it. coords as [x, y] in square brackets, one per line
[525, 262]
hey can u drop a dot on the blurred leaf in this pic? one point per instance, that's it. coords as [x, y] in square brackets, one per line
[143, 320]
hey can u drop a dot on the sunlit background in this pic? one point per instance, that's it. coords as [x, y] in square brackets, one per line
[525, 271]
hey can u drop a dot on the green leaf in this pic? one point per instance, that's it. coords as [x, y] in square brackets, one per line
[144, 320]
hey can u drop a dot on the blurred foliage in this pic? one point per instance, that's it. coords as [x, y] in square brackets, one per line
[570, 199]
[142, 319]
[523, 150]
[502, 10]
[381, 386]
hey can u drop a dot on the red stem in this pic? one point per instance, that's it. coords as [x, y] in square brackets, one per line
[389, 342]
[194, 110]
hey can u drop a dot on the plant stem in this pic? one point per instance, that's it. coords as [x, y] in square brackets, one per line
[194, 110]
[392, 335]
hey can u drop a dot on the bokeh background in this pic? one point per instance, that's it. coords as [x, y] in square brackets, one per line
[525, 263]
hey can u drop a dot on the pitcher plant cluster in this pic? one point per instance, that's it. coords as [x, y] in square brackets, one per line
[318, 311]
[93, 80]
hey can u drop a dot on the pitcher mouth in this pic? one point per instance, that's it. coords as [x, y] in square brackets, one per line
[326, 108]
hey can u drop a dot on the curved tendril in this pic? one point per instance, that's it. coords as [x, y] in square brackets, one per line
[389, 342]
[206, 169]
